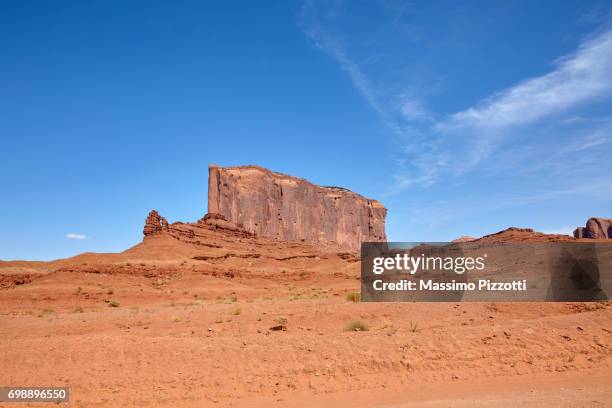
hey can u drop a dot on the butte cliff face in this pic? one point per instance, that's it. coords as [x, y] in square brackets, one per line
[283, 207]
[596, 228]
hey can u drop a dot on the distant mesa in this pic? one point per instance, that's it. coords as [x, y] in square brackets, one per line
[514, 234]
[596, 228]
[252, 200]
[464, 238]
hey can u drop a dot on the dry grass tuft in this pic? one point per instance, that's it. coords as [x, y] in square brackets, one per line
[356, 325]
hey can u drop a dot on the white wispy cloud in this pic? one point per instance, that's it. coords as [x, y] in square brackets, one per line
[477, 133]
[486, 136]
[333, 45]
[413, 110]
[315, 21]
[581, 77]
[76, 236]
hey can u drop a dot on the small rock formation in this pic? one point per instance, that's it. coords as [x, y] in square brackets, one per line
[284, 207]
[154, 223]
[596, 228]
[191, 233]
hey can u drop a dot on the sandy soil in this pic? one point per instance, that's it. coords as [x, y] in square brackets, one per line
[167, 324]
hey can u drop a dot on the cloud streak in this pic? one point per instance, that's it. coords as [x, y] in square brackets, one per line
[318, 26]
[77, 237]
[333, 45]
[581, 77]
[533, 129]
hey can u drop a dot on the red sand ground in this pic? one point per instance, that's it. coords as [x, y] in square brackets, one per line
[197, 332]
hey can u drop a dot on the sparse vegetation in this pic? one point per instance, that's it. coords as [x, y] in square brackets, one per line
[78, 310]
[353, 297]
[110, 291]
[237, 311]
[114, 303]
[356, 325]
[414, 327]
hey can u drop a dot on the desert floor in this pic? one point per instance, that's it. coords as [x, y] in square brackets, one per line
[197, 341]
[169, 325]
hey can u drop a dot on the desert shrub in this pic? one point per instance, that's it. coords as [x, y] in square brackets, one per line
[356, 325]
[353, 297]
[113, 303]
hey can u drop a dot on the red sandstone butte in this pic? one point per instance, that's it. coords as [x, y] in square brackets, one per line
[596, 228]
[283, 207]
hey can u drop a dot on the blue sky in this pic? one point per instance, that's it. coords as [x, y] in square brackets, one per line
[462, 118]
